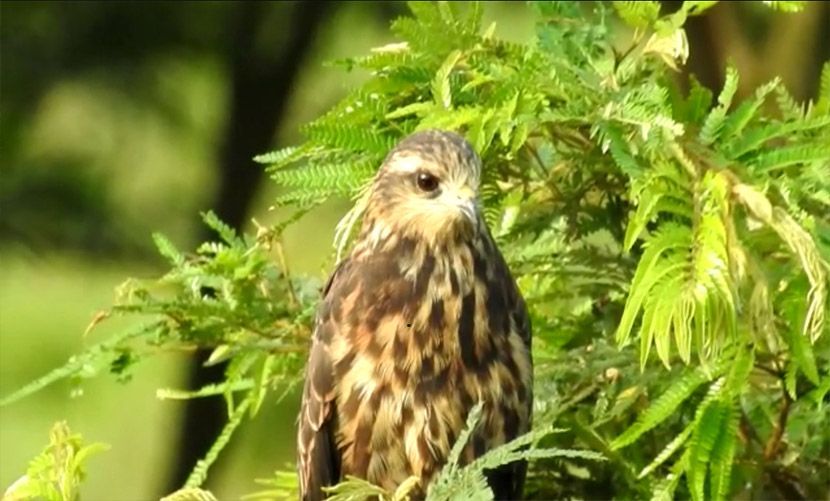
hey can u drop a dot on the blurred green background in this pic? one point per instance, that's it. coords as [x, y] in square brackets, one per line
[121, 119]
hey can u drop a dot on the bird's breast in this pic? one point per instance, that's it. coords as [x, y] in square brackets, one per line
[420, 339]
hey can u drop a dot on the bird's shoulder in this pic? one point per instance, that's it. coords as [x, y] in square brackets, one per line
[500, 277]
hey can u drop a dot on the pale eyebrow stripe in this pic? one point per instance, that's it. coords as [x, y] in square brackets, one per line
[408, 162]
[405, 163]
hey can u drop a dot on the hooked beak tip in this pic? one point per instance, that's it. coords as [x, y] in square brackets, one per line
[468, 208]
[469, 211]
[465, 201]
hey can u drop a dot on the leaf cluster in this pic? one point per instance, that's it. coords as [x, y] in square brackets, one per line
[56, 473]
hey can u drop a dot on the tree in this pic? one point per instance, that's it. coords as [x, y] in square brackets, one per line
[261, 86]
[673, 249]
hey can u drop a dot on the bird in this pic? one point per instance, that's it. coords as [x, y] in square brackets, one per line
[420, 322]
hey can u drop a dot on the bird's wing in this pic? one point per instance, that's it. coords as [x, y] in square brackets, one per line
[507, 481]
[318, 463]
[522, 319]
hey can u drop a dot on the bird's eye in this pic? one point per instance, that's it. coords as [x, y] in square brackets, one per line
[426, 182]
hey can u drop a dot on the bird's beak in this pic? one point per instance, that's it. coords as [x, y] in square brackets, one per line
[466, 202]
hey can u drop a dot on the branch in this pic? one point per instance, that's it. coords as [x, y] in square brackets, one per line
[292, 296]
[550, 183]
[774, 442]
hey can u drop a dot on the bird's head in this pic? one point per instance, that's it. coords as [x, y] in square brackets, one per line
[426, 189]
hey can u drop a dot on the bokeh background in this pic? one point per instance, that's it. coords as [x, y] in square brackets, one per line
[121, 119]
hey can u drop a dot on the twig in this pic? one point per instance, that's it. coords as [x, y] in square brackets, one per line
[284, 265]
[545, 175]
[684, 160]
[774, 442]
[769, 370]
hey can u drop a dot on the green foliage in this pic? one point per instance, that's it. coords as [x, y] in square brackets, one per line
[56, 473]
[283, 485]
[190, 494]
[632, 213]
[787, 6]
[230, 296]
[663, 407]
[469, 482]
[463, 482]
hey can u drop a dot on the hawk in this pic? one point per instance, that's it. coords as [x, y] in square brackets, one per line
[421, 321]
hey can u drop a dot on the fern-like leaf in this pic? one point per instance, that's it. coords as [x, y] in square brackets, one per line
[441, 91]
[649, 271]
[787, 156]
[722, 455]
[680, 390]
[709, 420]
[714, 121]
[669, 450]
[199, 474]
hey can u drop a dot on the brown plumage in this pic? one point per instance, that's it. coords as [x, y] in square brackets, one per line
[419, 323]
